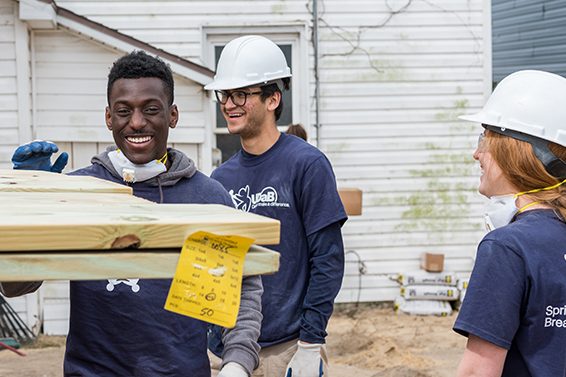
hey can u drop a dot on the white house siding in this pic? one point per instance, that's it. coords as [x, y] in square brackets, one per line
[175, 26]
[8, 83]
[26, 307]
[55, 307]
[70, 76]
[393, 81]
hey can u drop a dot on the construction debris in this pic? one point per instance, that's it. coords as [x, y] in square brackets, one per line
[12, 326]
[11, 344]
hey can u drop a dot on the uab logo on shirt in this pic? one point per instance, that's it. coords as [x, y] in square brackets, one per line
[246, 201]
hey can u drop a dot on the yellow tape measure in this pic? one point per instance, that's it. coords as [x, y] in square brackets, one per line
[208, 280]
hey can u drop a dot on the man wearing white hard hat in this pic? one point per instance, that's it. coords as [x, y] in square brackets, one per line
[283, 177]
[514, 313]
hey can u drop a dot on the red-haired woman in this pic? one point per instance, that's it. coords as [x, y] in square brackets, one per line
[514, 313]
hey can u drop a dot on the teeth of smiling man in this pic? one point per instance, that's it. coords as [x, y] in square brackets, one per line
[138, 139]
[235, 115]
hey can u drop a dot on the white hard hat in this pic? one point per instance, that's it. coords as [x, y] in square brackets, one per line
[531, 102]
[248, 61]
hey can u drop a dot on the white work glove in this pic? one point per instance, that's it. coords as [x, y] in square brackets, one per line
[233, 369]
[306, 362]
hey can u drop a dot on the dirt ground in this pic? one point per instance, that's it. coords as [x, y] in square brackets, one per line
[374, 341]
[363, 341]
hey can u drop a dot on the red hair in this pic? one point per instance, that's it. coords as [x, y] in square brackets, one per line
[524, 170]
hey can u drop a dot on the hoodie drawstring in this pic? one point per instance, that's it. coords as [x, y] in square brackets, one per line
[160, 190]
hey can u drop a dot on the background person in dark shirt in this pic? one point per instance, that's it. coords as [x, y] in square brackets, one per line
[282, 177]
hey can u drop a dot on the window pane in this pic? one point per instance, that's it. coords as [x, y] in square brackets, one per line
[287, 114]
[220, 121]
[228, 144]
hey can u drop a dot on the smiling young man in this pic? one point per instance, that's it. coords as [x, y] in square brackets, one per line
[282, 177]
[119, 327]
[137, 121]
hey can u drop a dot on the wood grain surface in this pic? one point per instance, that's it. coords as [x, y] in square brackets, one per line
[41, 181]
[127, 264]
[54, 226]
[91, 226]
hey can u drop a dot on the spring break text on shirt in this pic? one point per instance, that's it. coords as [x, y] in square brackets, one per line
[553, 311]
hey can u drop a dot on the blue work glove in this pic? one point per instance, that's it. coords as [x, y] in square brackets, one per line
[37, 156]
[306, 362]
[233, 369]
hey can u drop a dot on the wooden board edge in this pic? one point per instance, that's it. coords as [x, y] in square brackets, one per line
[98, 265]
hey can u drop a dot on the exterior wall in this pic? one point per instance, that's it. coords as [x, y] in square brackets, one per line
[69, 81]
[392, 83]
[55, 307]
[8, 83]
[70, 75]
[10, 116]
[528, 34]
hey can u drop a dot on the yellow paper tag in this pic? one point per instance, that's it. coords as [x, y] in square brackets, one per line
[208, 280]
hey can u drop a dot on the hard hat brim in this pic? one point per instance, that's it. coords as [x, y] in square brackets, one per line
[237, 84]
[226, 85]
[477, 118]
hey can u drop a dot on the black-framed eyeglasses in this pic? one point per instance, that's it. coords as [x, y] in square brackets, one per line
[238, 97]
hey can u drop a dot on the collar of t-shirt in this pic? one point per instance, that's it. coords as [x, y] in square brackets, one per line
[249, 159]
[540, 212]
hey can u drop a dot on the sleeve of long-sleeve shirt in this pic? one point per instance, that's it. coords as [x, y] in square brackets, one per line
[240, 342]
[15, 289]
[326, 258]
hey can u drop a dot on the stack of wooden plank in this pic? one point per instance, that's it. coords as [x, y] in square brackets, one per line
[59, 227]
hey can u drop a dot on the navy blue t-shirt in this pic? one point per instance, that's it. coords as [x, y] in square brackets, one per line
[294, 183]
[120, 328]
[516, 298]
